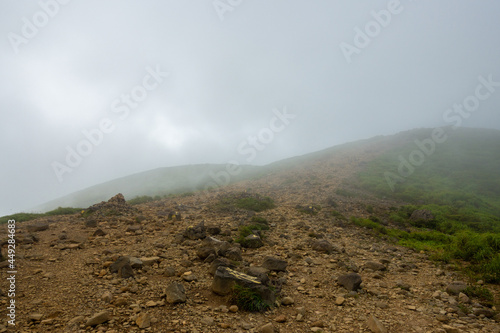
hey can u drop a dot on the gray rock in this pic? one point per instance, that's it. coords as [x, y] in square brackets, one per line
[456, 287]
[274, 264]
[197, 232]
[219, 262]
[175, 293]
[260, 273]
[150, 261]
[376, 266]
[99, 318]
[91, 223]
[99, 232]
[40, 226]
[350, 281]
[74, 324]
[122, 267]
[234, 254]
[267, 328]
[225, 278]
[135, 262]
[169, 272]
[252, 241]
[133, 228]
[375, 325]
[143, 320]
[204, 252]
[322, 245]
[484, 311]
[212, 230]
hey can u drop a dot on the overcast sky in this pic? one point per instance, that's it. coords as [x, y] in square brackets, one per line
[189, 81]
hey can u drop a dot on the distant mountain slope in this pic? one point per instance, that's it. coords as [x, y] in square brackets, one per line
[161, 181]
[466, 166]
[463, 169]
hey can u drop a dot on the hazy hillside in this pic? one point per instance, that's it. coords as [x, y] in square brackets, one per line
[461, 171]
[162, 181]
[465, 167]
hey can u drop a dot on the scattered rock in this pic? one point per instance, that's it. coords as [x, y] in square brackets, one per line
[197, 232]
[40, 226]
[169, 271]
[339, 300]
[322, 245]
[35, 317]
[267, 328]
[175, 293]
[280, 319]
[252, 242]
[99, 232]
[204, 252]
[98, 318]
[451, 329]
[143, 320]
[287, 300]
[107, 297]
[484, 311]
[260, 273]
[375, 266]
[456, 287]
[350, 281]
[225, 278]
[274, 264]
[376, 325]
[208, 321]
[122, 267]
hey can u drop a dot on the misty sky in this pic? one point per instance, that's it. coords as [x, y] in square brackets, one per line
[165, 83]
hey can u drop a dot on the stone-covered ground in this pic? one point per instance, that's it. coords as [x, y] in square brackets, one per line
[162, 258]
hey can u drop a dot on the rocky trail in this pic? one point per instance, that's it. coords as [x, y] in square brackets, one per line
[171, 266]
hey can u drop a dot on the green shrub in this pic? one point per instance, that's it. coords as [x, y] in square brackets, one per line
[142, 199]
[255, 204]
[311, 209]
[22, 217]
[259, 219]
[248, 300]
[479, 292]
[248, 230]
[338, 215]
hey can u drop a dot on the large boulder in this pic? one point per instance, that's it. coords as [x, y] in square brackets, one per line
[226, 278]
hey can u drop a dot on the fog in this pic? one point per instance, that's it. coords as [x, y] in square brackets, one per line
[95, 90]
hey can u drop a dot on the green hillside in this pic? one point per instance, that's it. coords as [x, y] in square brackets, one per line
[462, 173]
[457, 180]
